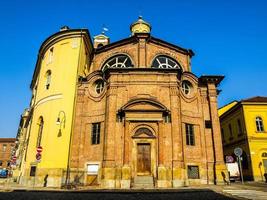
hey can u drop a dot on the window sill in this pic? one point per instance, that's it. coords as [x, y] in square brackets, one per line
[261, 132]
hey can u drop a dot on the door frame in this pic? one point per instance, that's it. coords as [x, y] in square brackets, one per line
[153, 157]
[143, 173]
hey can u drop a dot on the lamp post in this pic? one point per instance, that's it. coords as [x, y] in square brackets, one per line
[61, 121]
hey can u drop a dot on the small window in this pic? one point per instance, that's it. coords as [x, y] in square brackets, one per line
[190, 137]
[99, 86]
[1, 162]
[223, 137]
[208, 124]
[230, 131]
[240, 131]
[193, 172]
[100, 45]
[186, 87]
[168, 118]
[33, 171]
[48, 79]
[4, 147]
[259, 124]
[51, 54]
[95, 134]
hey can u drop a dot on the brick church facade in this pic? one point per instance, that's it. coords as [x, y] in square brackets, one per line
[143, 118]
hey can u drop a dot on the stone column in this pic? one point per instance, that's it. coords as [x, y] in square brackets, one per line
[219, 167]
[126, 170]
[178, 168]
[109, 165]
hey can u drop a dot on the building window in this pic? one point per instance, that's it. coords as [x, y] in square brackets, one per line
[239, 127]
[95, 135]
[168, 118]
[230, 131]
[118, 61]
[48, 79]
[51, 54]
[165, 62]
[193, 172]
[99, 86]
[1, 162]
[208, 124]
[40, 131]
[190, 138]
[186, 87]
[223, 137]
[33, 171]
[259, 124]
[4, 147]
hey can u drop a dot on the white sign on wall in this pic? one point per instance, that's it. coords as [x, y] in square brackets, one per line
[92, 169]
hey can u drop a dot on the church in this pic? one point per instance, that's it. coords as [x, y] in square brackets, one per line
[127, 114]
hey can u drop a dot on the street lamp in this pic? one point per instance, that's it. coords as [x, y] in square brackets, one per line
[61, 120]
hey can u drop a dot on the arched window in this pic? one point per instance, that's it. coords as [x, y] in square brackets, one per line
[118, 61]
[40, 131]
[48, 79]
[186, 87]
[259, 124]
[99, 86]
[165, 62]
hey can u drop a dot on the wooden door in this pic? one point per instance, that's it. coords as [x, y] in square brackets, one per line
[143, 159]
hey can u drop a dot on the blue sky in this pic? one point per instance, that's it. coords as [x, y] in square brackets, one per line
[228, 37]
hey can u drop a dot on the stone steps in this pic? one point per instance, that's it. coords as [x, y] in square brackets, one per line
[143, 182]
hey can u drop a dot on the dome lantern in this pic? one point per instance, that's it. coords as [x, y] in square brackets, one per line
[140, 26]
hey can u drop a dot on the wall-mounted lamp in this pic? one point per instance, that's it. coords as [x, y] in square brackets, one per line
[61, 120]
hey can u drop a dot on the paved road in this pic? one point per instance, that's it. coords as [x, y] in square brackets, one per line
[248, 194]
[137, 195]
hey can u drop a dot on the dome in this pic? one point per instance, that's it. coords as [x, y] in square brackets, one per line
[140, 26]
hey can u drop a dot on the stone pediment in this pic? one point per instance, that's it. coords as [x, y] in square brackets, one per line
[143, 105]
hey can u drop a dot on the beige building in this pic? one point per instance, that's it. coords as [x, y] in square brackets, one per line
[143, 119]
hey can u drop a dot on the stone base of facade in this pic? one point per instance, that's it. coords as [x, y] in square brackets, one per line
[43, 178]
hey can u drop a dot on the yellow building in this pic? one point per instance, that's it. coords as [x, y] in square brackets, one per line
[62, 61]
[244, 124]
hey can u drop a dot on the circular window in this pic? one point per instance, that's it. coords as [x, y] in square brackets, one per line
[99, 86]
[186, 87]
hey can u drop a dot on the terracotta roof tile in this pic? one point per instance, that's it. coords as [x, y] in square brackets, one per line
[255, 99]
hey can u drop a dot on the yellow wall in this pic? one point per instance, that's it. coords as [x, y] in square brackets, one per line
[70, 59]
[251, 141]
[257, 140]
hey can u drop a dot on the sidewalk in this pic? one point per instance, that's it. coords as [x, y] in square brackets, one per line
[258, 186]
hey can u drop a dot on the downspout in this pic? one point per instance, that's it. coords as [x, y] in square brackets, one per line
[73, 115]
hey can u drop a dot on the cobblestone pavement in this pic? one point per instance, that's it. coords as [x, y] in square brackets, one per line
[201, 194]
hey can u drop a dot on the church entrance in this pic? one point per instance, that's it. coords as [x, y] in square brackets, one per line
[143, 159]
